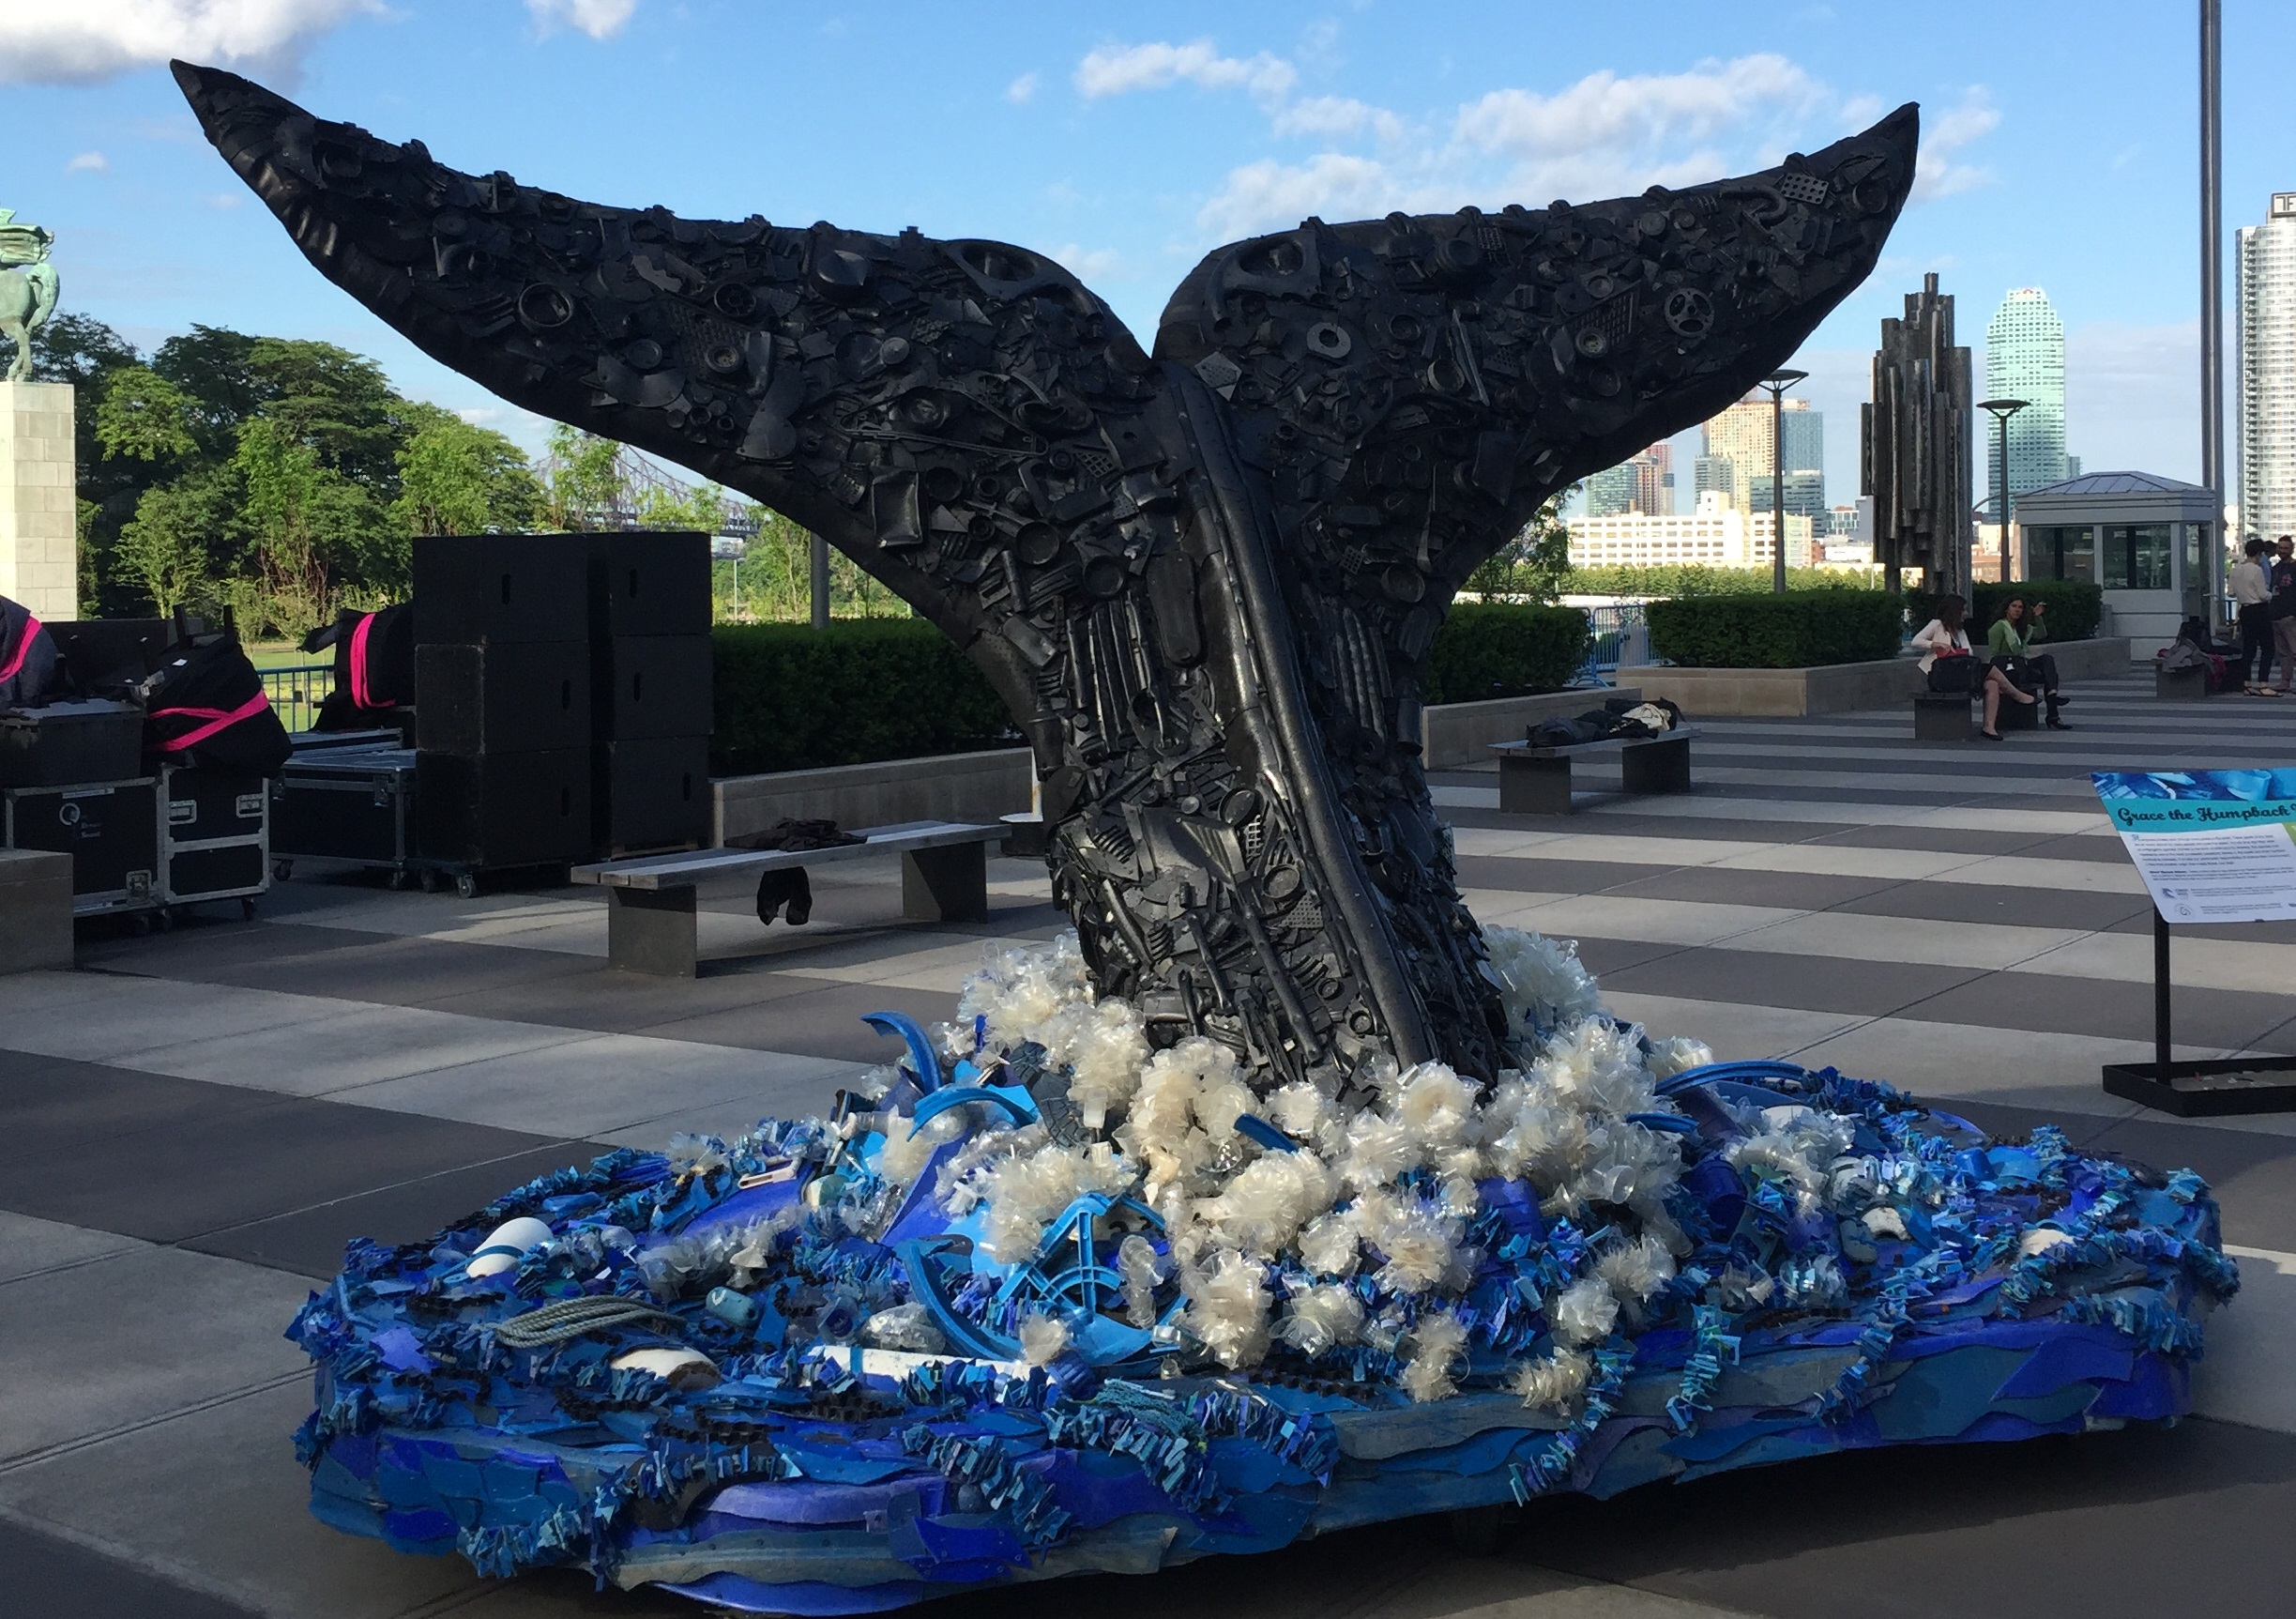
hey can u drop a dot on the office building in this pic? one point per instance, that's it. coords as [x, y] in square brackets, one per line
[1611, 491]
[1741, 435]
[1642, 483]
[2025, 358]
[2267, 254]
[1716, 535]
[1714, 475]
[1806, 493]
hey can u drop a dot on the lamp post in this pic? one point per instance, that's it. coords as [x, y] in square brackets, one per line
[1778, 382]
[2002, 410]
[2212, 290]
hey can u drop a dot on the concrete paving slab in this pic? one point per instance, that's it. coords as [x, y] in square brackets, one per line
[124, 1340]
[2245, 1375]
[215, 1500]
[30, 1247]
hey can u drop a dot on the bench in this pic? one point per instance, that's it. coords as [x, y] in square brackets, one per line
[651, 924]
[1537, 780]
[2181, 685]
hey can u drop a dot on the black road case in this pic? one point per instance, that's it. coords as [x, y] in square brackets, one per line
[216, 835]
[62, 744]
[345, 803]
[110, 829]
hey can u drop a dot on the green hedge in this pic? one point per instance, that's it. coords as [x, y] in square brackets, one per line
[1798, 631]
[1505, 650]
[1670, 579]
[789, 697]
[2075, 608]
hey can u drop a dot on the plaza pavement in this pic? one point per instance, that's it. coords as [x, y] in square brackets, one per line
[192, 1123]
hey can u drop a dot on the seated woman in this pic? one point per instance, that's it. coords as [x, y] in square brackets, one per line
[1950, 665]
[2010, 640]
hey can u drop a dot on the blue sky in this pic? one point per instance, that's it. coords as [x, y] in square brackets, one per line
[2061, 143]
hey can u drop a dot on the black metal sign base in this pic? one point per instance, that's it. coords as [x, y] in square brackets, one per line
[2207, 1089]
[2197, 1090]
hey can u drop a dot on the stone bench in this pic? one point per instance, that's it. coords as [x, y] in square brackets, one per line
[35, 910]
[1944, 716]
[651, 921]
[1534, 780]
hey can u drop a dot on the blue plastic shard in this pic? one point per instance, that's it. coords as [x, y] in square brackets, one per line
[1253, 1127]
[922, 1060]
[1013, 1102]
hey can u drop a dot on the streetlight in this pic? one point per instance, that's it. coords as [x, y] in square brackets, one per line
[1778, 382]
[2002, 410]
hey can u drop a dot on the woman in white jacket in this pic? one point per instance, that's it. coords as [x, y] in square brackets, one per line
[1944, 639]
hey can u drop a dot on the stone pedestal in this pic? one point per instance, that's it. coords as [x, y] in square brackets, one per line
[40, 552]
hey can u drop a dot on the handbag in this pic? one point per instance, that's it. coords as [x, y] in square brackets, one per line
[1956, 673]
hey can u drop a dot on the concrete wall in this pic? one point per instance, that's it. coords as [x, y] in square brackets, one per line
[39, 555]
[975, 788]
[1837, 687]
[1457, 735]
[35, 910]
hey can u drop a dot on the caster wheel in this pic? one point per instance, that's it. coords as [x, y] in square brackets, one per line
[161, 920]
[467, 885]
[396, 881]
[281, 870]
[429, 881]
[247, 908]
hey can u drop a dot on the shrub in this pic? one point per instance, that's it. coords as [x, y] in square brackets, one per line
[1670, 579]
[789, 697]
[1797, 630]
[2075, 608]
[1505, 650]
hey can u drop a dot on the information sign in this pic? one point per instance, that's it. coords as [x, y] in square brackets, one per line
[2211, 846]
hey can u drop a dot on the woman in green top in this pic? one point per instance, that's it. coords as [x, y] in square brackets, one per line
[2010, 640]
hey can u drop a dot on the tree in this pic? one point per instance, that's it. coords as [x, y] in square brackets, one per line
[584, 482]
[1535, 563]
[167, 550]
[458, 479]
[144, 417]
[78, 349]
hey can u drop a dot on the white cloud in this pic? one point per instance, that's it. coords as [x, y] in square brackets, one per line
[1085, 264]
[88, 163]
[1023, 90]
[1268, 195]
[1334, 115]
[1120, 69]
[599, 19]
[1937, 175]
[1607, 133]
[44, 43]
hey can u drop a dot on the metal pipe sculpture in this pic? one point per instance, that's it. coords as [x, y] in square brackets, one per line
[1205, 581]
[1915, 446]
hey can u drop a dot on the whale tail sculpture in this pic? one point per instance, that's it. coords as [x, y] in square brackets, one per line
[1205, 581]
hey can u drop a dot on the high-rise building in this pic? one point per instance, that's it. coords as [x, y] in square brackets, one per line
[2025, 358]
[1643, 483]
[1714, 475]
[1806, 493]
[2268, 371]
[1742, 434]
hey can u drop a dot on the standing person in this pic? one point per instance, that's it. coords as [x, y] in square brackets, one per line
[2011, 641]
[2252, 606]
[1949, 665]
[2283, 576]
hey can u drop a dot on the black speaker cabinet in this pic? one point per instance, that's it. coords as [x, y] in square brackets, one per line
[649, 584]
[495, 589]
[515, 698]
[651, 686]
[650, 794]
[497, 809]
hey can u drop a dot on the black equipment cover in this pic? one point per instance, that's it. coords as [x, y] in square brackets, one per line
[374, 666]
[206, 706]
[27, 658]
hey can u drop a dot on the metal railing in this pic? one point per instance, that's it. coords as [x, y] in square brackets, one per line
[1614, 627]
[296, 692]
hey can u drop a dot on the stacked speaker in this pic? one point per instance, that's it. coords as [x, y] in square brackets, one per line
[502, 699]
[651, 700]
[563, 698]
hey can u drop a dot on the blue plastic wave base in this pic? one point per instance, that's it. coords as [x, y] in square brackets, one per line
[800, 1470]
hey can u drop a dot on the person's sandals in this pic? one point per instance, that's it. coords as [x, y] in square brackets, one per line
[1990, 735]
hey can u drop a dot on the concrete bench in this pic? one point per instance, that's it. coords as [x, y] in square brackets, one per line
[35, 910]
[651, 921]
[2181, 685]
[1537, 780]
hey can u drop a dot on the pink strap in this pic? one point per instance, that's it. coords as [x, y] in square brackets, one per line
[362, 694]
[31, 627]
[217, 720]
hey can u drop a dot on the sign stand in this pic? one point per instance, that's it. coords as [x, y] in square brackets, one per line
[2210, 850]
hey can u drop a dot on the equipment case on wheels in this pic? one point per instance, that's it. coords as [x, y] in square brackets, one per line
[345, 803]
[110, 829]
[215, 835]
